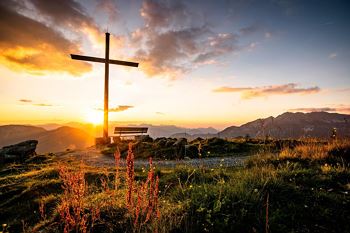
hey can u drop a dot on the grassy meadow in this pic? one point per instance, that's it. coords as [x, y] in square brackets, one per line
[302, 187]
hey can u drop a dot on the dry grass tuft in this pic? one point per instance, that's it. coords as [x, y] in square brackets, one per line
[314, 150]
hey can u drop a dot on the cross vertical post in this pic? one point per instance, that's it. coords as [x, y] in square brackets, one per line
[105, 108]
[105, 139]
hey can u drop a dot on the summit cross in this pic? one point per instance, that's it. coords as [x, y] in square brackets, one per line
[107, 61]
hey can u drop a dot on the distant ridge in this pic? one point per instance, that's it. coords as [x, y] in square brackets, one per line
[293, 125]
[56, 140]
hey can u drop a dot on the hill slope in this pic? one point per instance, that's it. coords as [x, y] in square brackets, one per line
[293, 125]
[10, 134]
[55, 140]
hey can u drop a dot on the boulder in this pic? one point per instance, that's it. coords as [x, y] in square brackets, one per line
[170, 142]
[180, 147]
[180, 142]
[161, 141]
[144, 138]
[20, 151]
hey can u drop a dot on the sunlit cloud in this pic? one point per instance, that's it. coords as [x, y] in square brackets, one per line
[25, 101]
[119, 108]
[43, 105]
[45, 48]
[30, 46]
[253, 92]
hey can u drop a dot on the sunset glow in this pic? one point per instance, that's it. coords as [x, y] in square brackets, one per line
[94, 117]
[201, 63]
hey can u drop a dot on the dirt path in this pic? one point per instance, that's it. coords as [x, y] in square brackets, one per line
[93, 157]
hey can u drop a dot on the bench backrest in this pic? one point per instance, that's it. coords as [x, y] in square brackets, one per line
[130, 130]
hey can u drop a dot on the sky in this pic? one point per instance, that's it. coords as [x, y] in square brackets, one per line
[202, 63]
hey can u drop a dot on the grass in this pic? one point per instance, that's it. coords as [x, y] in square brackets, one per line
[300, 188]
[166, 148]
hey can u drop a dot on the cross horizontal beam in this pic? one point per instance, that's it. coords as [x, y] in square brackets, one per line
[102, 60]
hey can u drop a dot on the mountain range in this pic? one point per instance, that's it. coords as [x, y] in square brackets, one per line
[294, 125]
[55, 137]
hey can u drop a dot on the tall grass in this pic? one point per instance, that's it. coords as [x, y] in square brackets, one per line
[141, 198]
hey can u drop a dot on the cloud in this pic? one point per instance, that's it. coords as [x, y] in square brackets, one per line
[217, 45]
[119, 108]
[332, 55]
[64, 12]
[323, 109]
[169, 52]
[268, 35]
[27, 101]
[70, 14]
[170, 44]
[162, 14]
[252, 92]
[160, 113]
[249, 30]
[32, 35]
[31, 46]
[43, 105]
[108, 6]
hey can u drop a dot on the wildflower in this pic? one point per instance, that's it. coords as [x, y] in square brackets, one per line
[129, 176]
[71, 209]
[42, 209]
[117, 163]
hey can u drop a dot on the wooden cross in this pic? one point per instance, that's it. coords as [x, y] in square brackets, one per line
[107, 61]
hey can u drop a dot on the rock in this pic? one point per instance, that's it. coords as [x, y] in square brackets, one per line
[180, 142]
[144, 138]
[20, 151]
[170, 142]
[180, 147]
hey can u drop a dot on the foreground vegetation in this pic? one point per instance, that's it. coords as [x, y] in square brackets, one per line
[299, 188]
[172, 148]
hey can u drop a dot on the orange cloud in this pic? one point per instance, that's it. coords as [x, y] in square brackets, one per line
[119, 108]
[31, 46]
[252, 92]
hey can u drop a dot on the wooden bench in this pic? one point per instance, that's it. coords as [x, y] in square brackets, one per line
[127, 132]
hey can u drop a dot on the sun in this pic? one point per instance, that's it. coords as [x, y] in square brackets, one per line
[94, 117]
